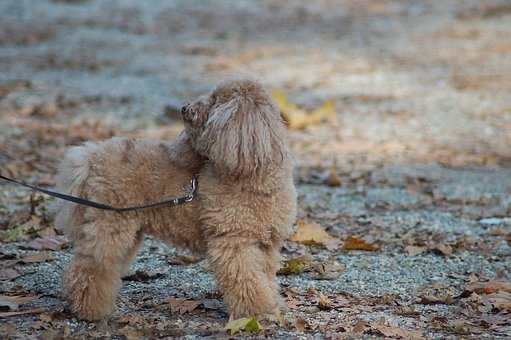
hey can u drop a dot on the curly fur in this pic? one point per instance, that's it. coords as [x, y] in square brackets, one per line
[234, 140]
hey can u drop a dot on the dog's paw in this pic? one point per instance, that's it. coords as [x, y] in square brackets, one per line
[89, 297]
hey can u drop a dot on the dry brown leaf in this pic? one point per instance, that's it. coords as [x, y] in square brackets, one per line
[47, 232]
[360, 327]
[500, 300]
[489, 287]
[396, 332]
[183, 260]
[429, 299]
[301, 325]
[444, 249]
[39, 257]
[13, 302]
[131, 333]
[143, 276]
[182, 306]
[212, 304]
[293, 303]
[7, 274]
[415, 250]
[354, 243]
[330, 270]
[324, 303]
[49, 243]
[311, 233]
[22, 312]
[333, 179]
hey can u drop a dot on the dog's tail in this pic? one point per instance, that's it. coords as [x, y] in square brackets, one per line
[72, 174]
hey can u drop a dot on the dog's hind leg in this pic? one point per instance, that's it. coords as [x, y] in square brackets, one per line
[93, 279]
[240, 268]
[132, 253]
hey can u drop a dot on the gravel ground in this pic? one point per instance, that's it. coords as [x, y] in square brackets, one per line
[421, 144]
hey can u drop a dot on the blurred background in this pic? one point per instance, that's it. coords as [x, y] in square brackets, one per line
[399, 114]
[406, 81]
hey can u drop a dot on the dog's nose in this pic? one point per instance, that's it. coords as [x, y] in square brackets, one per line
[184, 109]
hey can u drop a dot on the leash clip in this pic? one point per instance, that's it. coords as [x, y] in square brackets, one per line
[193, 193]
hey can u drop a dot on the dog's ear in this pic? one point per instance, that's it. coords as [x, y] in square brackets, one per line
[244, 136]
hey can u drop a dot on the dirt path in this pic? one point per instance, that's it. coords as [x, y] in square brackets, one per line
[415, 167]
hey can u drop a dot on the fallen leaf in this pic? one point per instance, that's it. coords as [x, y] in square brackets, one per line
[182, 306]
[313, 234]
[6, 302]
[250, 325]
[142, 276]
[212, 304]
[406, 311]
[131, 319]
[301, 325]
[9, 263]
[330, 270]
[53, 316]
[354, 243]
[8, 331]
[184, 260]
[324, 303]
[428, 299]
[461, 327]
[333, 179]
[293, 303]
[7, 274]
[360, 327]
[17, 233]
[47, 232]
[131, 333]
[389, 299]
[49, 243]
[297, 118]
[444, 249]
[39, 257]
[415, 250]
[396, 332]
[500, 300]
[23, 312]
[489, 287]
[295, 265]
[13, 302]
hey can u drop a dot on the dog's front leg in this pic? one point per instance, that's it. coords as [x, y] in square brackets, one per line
[240, 266]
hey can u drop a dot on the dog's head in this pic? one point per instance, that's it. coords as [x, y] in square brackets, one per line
[238, 128]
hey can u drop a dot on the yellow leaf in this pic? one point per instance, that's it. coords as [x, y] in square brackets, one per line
[354, 243]
[250, 325]
[297, 118]
[295, 265]
[313, 234]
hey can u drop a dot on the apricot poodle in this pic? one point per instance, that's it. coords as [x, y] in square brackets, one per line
[234, 141]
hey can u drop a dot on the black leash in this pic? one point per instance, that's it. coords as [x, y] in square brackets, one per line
[170, 202]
